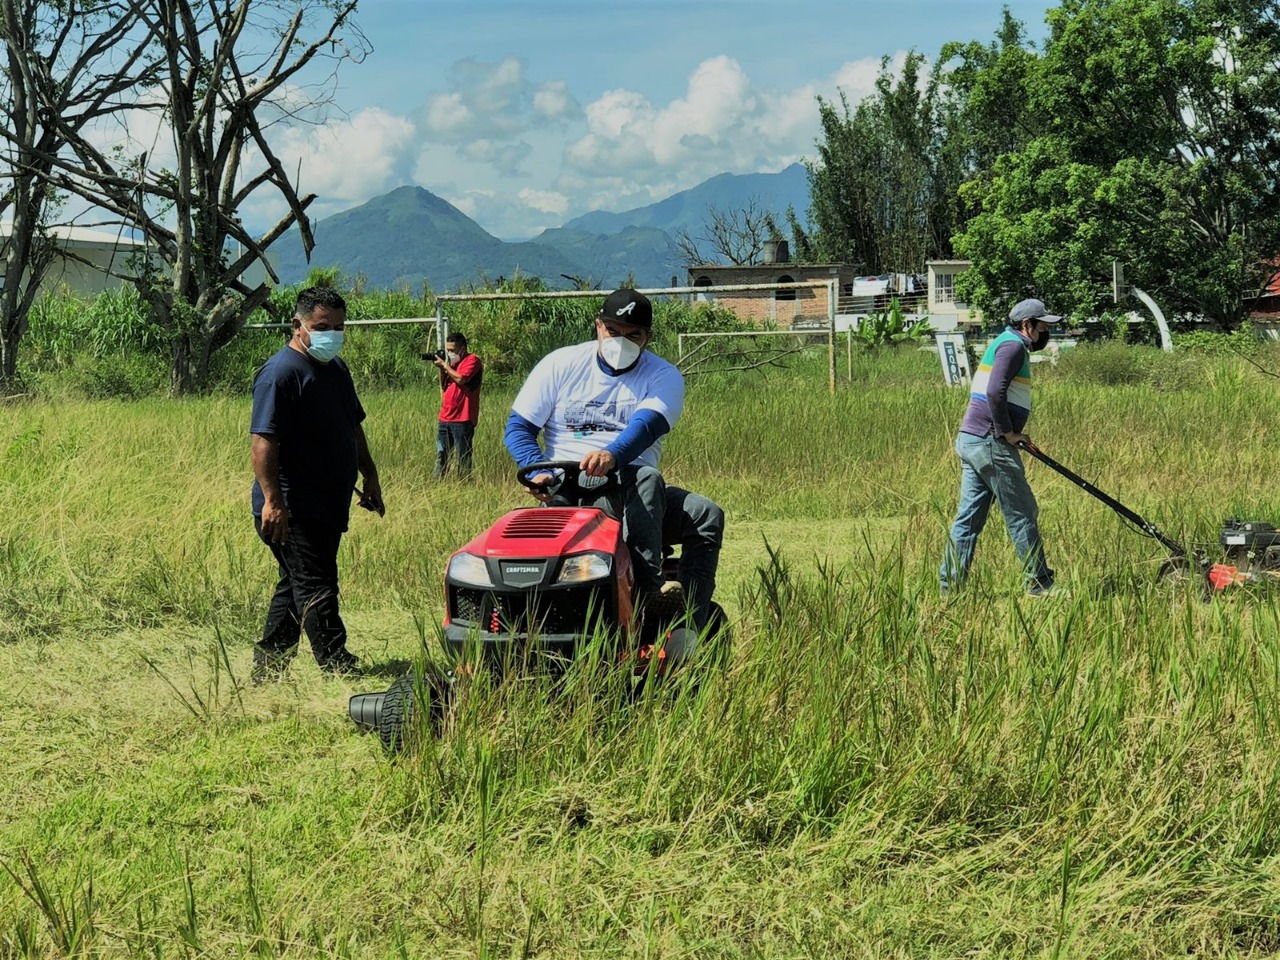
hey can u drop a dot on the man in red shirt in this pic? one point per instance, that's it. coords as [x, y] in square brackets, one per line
[460, 375]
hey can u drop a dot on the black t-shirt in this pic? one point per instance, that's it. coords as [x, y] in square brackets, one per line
[312, 410]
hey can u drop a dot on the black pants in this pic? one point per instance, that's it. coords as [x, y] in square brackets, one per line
[695, 524]
[307, 592]
[643, 501]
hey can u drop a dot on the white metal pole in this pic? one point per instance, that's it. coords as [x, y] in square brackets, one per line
[1166, 341]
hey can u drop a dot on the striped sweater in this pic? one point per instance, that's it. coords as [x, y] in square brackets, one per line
[1000, 398]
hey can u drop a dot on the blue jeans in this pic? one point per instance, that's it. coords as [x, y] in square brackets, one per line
[451, 436]
[992, 470]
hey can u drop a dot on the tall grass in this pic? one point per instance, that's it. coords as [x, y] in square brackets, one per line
[875, 772]
[105, 347]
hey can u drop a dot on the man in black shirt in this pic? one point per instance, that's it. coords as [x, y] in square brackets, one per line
[308, 446]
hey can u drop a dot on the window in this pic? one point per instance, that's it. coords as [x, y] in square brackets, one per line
[704, 297]
[785, 294]
[944, 288]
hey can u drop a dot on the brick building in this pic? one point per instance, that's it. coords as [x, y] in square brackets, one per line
[777, 307]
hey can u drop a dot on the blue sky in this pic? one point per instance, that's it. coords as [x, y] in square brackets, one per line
[526, 114]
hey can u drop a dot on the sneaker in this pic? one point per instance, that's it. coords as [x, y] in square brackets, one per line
[1039, 590]
[342, 662]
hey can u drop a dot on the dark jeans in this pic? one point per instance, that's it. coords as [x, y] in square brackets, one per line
[450, 436]
[696, 524]
[643, 506]
[306, 593]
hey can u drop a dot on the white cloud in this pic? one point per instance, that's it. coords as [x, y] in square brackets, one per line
[545, 201]
[506, 158]
[447, 116]
[494, 101]
[553, 101]
[509, 214]
[472, 202]
[634, 150]
[349, 160]
[493, 143]
[343, 162]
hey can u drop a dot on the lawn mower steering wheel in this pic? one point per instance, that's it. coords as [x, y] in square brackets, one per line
[572, 482]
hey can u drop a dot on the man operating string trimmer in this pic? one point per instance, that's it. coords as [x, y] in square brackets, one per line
[987, 445]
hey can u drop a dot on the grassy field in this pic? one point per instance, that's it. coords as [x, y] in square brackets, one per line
[877, 772]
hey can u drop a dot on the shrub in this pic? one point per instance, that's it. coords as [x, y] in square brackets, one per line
[891, 327]
[1212, 344]
[1112, 364]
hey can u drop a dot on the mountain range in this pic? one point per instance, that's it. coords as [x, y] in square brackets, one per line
[410, 235]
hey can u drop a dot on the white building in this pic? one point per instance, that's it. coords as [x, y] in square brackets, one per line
[86, 258]
[945, 311]
[89, 259]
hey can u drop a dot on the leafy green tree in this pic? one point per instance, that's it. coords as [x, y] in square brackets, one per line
[983, 111]
[1154, 142]
[882, 188]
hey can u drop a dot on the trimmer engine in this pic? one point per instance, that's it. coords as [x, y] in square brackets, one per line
[1251, 545]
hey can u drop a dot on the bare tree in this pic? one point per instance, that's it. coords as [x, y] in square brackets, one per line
[735, 236]
[738, 354]
[228, 70]
[66, 66]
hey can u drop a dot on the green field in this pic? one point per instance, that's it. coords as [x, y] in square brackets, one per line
[877, 772]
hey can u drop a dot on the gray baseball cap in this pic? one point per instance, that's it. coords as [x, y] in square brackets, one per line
[1031, 310]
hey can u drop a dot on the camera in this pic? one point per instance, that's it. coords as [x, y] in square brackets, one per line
[435, 355]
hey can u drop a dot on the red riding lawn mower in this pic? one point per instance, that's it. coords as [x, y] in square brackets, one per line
[533, 588]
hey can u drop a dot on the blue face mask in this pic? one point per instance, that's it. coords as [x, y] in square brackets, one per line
[325, 344]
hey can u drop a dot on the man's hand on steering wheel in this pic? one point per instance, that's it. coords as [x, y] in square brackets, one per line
[544, 482]
[597, 463]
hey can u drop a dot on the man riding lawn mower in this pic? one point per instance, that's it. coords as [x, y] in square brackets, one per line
[530, 591]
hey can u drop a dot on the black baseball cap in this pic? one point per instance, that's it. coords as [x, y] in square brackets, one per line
[628, 306]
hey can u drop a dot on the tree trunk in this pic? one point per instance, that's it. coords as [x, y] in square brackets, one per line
[181, 374]
[9, 358]
[191, 351]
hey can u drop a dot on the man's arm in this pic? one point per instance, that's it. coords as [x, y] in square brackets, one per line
[460, 374]
[644, 429]
[521, 440]
[264, 455]
[372, 492]
[1004, 367]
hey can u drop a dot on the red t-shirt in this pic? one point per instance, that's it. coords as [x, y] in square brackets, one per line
[461, 401]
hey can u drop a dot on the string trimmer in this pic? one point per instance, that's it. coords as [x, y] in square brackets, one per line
[1178, 561]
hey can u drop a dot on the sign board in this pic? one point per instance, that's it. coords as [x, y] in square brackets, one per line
[955, 358]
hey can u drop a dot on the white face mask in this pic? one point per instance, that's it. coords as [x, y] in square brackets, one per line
[453, 358]
[619, 353]
[325, 344]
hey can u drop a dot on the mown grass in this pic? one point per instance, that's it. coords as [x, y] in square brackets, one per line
[875, 773]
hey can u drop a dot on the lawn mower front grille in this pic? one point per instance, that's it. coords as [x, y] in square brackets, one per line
[468, 605]
[570, 610]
